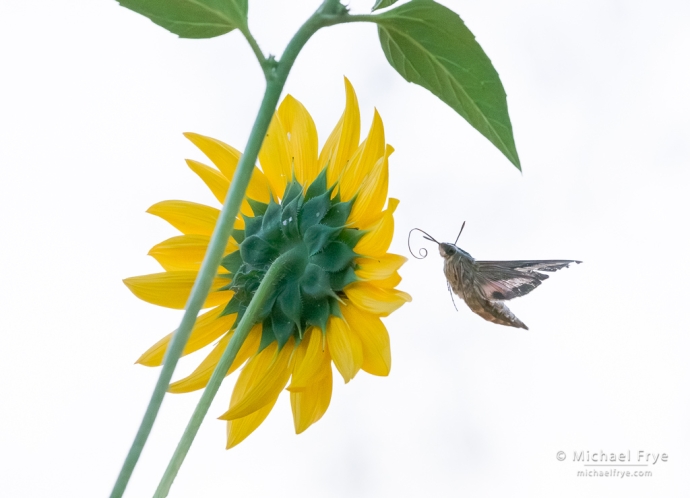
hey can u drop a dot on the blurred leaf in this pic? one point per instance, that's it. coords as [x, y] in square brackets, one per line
[192, 18]
[430, 45]
[382, 4]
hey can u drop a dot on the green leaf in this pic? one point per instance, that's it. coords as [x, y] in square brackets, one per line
[382, 4]
[315, 282]
[315, 312]
[292, 190]
[290, 301]
[343, 278]
[351, 236]
[256, 251]
[337, 215]
[335, 308]
[334, 257]
[233, 306]
[238, 235]
[318, 236]
[314, 210]
[193, 18]
[270, 225]
[267, 335]
[290, 218]
[252, 225]
[282, 327]
[232, 261]
[428, 44]
[271, 219]
[259, 208]
[267, 307]
[318, 186]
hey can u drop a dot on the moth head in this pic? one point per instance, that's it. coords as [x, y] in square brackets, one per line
[447, 250]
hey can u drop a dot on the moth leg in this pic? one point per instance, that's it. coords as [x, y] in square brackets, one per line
[451, 294]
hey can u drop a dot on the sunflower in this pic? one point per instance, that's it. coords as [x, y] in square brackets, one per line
[333, 206]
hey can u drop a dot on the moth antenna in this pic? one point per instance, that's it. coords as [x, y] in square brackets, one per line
[422, 251]
[458, 237]
[451, 295]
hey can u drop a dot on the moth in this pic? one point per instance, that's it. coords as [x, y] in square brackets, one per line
[485, 285]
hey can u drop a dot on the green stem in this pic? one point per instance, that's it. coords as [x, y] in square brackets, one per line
[278, 268]
[202, 285]
[332, 19]
[255, 48]
[276, 78]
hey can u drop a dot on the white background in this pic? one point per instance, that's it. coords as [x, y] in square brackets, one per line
[93, 103]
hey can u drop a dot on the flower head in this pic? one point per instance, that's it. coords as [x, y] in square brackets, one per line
[330, 207]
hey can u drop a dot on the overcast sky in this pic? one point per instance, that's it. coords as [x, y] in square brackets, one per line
[93, 103]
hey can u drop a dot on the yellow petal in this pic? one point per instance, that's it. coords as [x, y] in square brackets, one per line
[376, 347]
[309, 358]
[309, 405]
[216, 182]
[274, 157]
[375, 300]
[342, 142]
[187, 217]
[260, 381]
[378, 268]
[387, 283]
[250, 377]
[208, 327]
[372, 195]
[239, 222]
[172, 288]
[363, 161]
[345, 348]
[185, 252]
[239, 428]
[303, 142]
[378, 238]
[226, 158]
[201, 375]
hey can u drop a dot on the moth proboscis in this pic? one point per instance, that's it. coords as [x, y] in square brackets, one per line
[485, 285]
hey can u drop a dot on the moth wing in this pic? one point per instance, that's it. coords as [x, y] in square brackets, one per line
[500, 283]
[504, 280]
[538, 265]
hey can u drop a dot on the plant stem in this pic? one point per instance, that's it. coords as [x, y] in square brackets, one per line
[275, 272]
[202, 285]
[255, 48]
[276, 78]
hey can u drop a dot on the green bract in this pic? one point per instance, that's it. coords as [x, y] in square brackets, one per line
[312, 225]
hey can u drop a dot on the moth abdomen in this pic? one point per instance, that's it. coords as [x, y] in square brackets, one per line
[494, 311]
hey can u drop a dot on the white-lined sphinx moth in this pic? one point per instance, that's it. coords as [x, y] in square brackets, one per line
[485, 285]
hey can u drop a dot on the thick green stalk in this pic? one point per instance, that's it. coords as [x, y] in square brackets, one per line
[276, 77]
[278, 268]
[202, 285]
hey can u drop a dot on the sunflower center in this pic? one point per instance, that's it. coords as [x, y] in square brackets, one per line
[313, 226]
